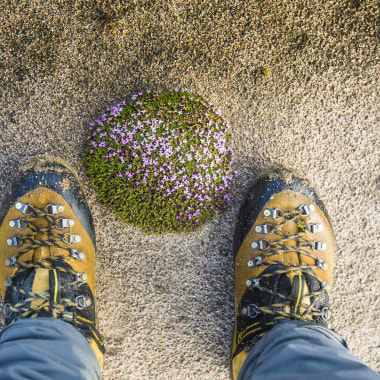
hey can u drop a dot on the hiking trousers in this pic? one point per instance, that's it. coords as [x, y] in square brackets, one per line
[50, 349]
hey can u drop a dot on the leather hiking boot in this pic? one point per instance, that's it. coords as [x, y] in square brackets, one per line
[47, 249]
[284, 256]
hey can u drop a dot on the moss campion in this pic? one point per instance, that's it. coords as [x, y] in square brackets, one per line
[161, 162]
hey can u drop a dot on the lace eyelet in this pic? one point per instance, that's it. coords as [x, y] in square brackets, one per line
[23, 207]
[62, 223]
[11, 261]
[305, 210]
[326, 314]
[6, 311]
[262, 245]
[266, 228]
[82, 302]
[255, 262]
[81, 277]
[252, 283]
[51, 209]
[250, 311]
[19, 223]
[15, 241]
[71, 239]
[275, 213]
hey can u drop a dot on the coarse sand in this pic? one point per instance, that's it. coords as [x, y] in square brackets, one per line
[299, 82]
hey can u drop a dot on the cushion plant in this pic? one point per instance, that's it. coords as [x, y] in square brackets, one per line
[161, 161]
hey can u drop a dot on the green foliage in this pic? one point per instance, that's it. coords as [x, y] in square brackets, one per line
[161, 162]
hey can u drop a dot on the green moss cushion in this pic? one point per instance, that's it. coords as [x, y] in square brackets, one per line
[161, 162]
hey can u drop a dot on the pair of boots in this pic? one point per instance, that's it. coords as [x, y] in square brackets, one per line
[283, 250]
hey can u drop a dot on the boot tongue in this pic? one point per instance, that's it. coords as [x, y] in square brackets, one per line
[41, 279]
[40, 284]
[38, 281]
[299, 289]
[28, 282]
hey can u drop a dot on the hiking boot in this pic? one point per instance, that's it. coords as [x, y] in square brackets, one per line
[47, 249]
[284, 256]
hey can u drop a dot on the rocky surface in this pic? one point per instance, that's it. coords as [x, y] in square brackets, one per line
[299, 82]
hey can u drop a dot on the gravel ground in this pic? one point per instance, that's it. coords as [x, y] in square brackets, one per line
[166, 302]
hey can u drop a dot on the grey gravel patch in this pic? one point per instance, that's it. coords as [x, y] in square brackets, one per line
[317, 110]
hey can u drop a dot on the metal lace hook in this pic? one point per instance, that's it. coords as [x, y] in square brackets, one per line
[51, 209]
[23, 207]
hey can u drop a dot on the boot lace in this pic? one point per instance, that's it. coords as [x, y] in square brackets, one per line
[271, 248]
[49, 303]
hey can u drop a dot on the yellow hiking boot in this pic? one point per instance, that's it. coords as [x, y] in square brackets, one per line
[284, 256]
[47, 249]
